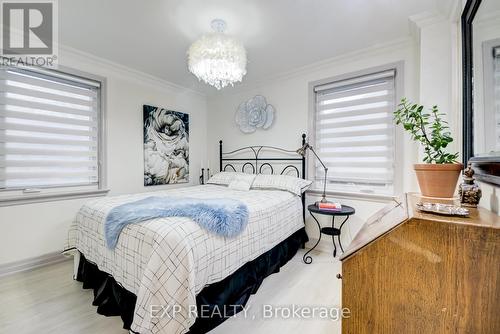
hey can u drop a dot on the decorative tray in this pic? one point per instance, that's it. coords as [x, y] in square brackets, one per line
[443, 209]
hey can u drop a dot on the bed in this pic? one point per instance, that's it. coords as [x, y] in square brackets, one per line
[166, 275]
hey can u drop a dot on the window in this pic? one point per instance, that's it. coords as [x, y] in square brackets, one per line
[50, 126]
[355, 133]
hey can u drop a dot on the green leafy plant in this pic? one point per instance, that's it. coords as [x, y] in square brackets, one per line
[430, 129]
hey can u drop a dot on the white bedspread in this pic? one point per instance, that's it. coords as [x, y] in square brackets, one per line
[168, 261]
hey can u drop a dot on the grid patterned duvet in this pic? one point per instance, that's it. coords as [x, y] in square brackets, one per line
[168, 261]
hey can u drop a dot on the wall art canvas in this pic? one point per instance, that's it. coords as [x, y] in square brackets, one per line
[166, 146]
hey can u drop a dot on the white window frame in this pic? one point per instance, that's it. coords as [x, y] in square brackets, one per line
[398, 67]
[9, 197]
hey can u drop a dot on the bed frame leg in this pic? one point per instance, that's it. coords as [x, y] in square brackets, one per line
[76, 262]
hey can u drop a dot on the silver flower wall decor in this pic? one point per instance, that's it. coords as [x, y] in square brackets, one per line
[254, 113]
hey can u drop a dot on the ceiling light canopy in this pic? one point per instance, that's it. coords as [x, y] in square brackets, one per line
[217, 59]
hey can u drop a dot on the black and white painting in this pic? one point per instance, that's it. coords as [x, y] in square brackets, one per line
[166, 146]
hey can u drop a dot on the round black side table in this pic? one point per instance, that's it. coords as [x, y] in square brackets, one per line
[346, 212]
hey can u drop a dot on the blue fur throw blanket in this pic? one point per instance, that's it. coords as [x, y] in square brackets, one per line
[225, 217]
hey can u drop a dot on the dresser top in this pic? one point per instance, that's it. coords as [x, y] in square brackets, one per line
[477, 216]
[404, 209]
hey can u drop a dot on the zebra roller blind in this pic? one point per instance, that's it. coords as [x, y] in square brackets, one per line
[49, 130]
[355, 133]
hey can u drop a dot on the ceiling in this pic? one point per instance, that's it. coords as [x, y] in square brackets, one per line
[153, 35]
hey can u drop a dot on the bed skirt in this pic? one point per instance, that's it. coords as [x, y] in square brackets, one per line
[112, 299]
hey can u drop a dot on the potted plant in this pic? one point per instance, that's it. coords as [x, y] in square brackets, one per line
[439, 175]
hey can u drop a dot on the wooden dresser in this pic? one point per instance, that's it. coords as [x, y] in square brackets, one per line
[409, 272]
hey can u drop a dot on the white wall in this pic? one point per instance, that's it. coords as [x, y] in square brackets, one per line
[289, 94]
[438, 61]
[37, 229]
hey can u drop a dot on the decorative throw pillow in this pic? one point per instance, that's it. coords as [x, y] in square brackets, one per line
[292, 184]
[224, 178]
[242, 182]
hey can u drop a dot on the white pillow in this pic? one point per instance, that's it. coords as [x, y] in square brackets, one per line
[281, 182]
[223, 178]
[242, 182]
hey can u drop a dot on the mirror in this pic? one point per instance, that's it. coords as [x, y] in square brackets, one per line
[486, 78]
[481, 83]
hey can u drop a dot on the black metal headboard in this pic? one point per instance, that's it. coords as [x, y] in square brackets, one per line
[289, 161]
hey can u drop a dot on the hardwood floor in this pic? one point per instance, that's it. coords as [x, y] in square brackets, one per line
[48, 300]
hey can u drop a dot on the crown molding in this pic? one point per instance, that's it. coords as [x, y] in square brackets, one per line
[451, 9]
[425, 19]
[123, 71]
[375, 49]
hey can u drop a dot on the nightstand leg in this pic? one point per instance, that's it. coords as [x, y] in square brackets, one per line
[333, 237]
[307, 258]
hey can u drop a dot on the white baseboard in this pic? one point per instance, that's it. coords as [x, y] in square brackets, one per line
[32, 263]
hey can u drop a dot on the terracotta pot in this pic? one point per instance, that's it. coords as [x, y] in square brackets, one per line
[438, 180]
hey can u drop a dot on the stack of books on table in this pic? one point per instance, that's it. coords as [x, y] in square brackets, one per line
[329, 206]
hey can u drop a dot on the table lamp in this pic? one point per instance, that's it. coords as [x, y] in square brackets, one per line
[302, 151]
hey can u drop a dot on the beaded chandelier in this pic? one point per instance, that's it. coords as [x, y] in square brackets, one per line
[217, 59]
